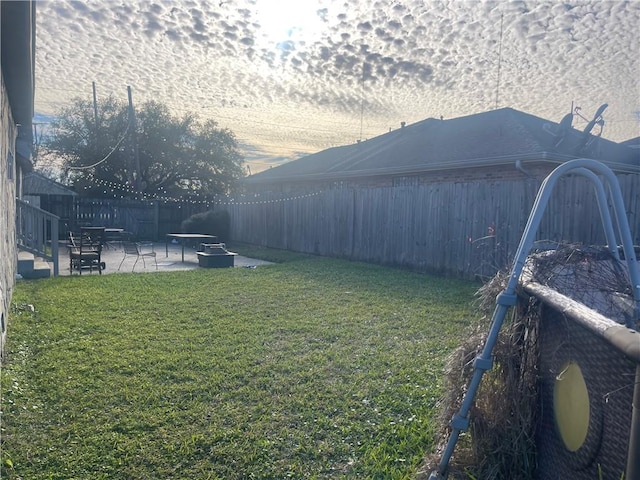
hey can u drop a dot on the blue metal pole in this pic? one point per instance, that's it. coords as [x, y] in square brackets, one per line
[605, 214]
[508, 297]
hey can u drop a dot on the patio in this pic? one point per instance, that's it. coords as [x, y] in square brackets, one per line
[113, 255]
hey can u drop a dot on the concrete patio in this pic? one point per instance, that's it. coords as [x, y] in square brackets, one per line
[167, 260]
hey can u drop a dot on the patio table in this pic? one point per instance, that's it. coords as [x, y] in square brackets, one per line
[113, 236]
[183, 237]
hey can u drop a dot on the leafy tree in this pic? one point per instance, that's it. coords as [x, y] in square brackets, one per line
[176, 156]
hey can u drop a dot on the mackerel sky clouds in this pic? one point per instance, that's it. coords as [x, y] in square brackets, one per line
[292, 77]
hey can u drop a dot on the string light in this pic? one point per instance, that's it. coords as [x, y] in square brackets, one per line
[217, 200]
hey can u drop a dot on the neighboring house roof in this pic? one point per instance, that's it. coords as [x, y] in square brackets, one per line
[490, 138]
[632, 142]
[17, 57]
[37, 184]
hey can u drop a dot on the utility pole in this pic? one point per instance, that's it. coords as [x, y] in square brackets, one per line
[95, 115]
[362, 101]
[135, 179]
[499, 62]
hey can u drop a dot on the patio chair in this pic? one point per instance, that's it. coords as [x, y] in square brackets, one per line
[139, 250]
[85, 250]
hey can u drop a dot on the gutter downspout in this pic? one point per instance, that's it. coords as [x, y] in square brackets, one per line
[520, 168]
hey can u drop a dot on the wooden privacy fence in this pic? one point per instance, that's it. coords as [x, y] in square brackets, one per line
[468, 229]
[143, 219]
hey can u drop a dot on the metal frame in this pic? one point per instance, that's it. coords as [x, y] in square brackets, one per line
[601, 176]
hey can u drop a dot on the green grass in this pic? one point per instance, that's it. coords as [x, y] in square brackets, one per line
[310, 368]
[268, 254]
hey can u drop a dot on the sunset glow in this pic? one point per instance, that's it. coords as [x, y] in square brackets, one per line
[293, 77]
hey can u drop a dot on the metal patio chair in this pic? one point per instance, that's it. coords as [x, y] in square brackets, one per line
[140, 250]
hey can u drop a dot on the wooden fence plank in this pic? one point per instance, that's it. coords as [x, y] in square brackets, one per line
[460, 228]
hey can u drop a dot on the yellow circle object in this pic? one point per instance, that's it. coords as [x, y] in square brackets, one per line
[571, 406]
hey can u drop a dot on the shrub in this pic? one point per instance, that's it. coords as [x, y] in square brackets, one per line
[216, 223]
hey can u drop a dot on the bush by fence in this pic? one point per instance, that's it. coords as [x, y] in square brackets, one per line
[212, 222]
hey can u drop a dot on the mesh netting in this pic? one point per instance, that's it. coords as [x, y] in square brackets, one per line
[501, 442]
[589, 275]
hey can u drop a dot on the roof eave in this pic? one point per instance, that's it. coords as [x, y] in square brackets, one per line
[545, 157]
[17, 53]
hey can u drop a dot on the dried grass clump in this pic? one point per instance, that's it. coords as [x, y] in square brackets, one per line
[500, 442]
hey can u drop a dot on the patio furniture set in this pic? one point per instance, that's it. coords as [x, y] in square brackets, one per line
[86, 248]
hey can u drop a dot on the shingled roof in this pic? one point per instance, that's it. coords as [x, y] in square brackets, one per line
[490, 138]
[37, 184]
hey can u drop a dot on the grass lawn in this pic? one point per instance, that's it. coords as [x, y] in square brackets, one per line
[310, 368]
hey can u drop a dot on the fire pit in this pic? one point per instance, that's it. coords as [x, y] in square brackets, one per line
[215, 255]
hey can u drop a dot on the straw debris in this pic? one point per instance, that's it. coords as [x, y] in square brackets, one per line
[500, 442]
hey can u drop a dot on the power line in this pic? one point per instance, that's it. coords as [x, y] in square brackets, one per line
[259, 122]
[211, 110]
[79, 92]
[86, 167]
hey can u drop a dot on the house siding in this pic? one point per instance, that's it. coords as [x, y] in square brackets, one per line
[8, 178]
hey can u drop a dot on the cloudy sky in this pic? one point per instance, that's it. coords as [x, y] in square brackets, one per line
[291, 77]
